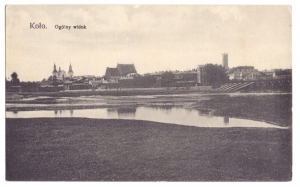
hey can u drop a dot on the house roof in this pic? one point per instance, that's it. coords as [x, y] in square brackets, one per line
[125, 69]
[232, 70]
[245, 67]
[113, 71]
[123, 78]
[184, 72]
[283, 72]
[68, 82]
[95, 81]
[44, 83]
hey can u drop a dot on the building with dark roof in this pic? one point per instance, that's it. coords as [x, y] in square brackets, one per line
[122, 70]
[125, 69]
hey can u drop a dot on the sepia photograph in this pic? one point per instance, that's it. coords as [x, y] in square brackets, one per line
[148, 93]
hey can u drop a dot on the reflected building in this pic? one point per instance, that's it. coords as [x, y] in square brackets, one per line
[71, 112]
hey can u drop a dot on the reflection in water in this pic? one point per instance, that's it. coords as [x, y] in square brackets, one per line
[166, 109]
[205, 112]
[112, 110]
[15, 112]
[126, 112]
[226, 120]
[174, 115]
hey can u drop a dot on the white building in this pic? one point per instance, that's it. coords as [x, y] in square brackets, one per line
[61, 74]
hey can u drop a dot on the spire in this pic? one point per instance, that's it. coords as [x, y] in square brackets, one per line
[70, 73]
[70, 68]
[54, 68]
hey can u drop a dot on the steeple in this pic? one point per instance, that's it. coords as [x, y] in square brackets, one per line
[70, 73]
[54, 68]
[70, 68]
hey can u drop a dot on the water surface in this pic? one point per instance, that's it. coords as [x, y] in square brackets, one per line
[173, 115]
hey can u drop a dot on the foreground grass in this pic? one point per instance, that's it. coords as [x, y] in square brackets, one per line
[125, 150]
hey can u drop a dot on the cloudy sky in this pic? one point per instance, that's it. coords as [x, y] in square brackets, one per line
[154, 38]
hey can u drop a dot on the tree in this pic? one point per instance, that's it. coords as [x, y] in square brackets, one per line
[55, 80]
[214, 75]
[167, 77]
[52, 80]
[14, 79]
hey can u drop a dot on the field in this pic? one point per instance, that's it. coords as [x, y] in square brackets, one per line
[124, 150]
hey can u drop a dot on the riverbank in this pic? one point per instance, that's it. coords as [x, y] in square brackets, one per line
[129, 150]
[120, 92]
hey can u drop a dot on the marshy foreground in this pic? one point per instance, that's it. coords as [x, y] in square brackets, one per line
[73, 148]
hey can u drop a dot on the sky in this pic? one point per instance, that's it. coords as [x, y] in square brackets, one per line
[153, 38]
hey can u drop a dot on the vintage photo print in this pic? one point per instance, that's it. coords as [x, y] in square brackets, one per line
[148, 93]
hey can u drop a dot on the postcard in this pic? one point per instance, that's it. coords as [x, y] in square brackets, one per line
[148, 93]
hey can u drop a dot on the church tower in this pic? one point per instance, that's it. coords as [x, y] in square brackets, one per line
[54, 71]
[70, 73]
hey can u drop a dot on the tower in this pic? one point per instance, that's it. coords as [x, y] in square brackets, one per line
[200, 74]
[225, 60]
[70, 73]
[54, 70]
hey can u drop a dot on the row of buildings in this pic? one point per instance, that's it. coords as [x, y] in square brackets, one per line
[126, 76]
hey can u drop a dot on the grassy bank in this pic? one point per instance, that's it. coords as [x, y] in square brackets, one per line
[275, 109]
[125, 150]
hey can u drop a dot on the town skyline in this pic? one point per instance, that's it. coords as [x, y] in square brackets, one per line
[154, 38]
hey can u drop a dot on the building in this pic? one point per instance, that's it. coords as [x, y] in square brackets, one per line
[180, 78]
[122, 70]
[70, 73]
[200, 74]
[282, 73]
[61, 74]
[242, 73]
[225, 60]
